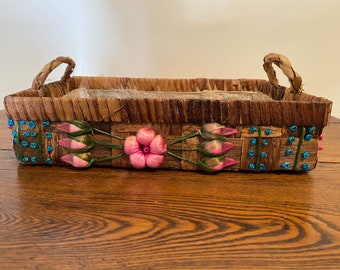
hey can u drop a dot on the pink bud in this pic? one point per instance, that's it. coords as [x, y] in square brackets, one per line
[71, 144]
[215, 147]
[320, 148]
[78, 161]
[215, 130]
[67, 127]
[321, 137]
[227, 162]
[217, 163]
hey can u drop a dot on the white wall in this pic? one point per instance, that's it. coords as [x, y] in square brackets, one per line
[171, 38]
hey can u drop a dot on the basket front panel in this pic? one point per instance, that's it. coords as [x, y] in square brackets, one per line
[253, 148]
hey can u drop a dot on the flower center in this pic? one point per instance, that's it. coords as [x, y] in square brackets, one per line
[145, 149]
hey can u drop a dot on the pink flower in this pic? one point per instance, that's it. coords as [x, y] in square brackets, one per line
[81, 160]
[215, 130]
[146, 149]
[83, 142]
[215, 147]
[214, 164]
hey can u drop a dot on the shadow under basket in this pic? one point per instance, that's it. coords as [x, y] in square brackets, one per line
[179, 124]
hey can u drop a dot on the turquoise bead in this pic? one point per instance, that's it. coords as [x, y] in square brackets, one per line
[285, 165]
[251, 166]
[253, 129]
[263, 155]
[308, 137]
[305, 154]
[293, 128]
[289, 152]
[268, 131]
[252, 141]
[262, 167]
[31, 124]
[251, 153]
[291, 139]
[305, 166]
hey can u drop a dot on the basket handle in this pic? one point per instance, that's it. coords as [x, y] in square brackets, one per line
[39, 80]
[285, 65]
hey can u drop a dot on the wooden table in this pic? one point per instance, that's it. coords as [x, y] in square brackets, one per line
[102, 218]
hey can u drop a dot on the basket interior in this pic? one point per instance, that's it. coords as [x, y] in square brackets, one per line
[140, 94]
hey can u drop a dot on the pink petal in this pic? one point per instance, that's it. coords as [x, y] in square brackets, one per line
[227, 162]
[157, 146]
[131, 145]
[154, 161]
[75, 161]
[320, 148]
[227, 131]
[227, 146]
[71, 144]
[145, 136]
[67, 127]
[137, 160]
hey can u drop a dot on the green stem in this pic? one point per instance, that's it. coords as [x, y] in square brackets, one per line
[182, 158]
[107, 158]
[182, 149]
[299, 149]
[17, 144]
[258, 147]
[110, 145]
[108, 134]
[182, 138]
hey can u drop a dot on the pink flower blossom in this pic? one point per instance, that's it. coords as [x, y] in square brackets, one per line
[81, 160]
[215, 147]
[146, 149]
[215, 130]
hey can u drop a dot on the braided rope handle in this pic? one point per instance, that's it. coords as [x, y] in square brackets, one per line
[41, 77]
[285, 65]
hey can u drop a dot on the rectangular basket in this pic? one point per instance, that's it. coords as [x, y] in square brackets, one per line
[181, 124]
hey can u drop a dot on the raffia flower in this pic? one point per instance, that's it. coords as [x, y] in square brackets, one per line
[81, 160]
[146, 149]
[214, 130]
[214, 147]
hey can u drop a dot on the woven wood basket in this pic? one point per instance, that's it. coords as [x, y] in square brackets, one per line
[187, 124]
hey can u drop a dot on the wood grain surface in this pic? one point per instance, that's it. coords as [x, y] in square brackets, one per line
[103, 218]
